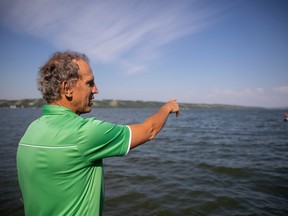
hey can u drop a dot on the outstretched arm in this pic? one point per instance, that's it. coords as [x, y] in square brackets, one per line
[147, 130]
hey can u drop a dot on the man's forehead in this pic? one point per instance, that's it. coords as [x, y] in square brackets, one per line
[85, 70]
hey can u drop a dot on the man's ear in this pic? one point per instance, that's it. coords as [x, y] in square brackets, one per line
[66, 88]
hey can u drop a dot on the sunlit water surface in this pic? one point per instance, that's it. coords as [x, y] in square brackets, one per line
[206, 162]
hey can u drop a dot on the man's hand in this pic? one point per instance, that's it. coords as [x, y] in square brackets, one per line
[173, 106]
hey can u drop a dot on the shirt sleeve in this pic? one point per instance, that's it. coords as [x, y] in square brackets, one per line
[100, 139]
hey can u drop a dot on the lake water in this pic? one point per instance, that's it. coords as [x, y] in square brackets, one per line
[206, 162]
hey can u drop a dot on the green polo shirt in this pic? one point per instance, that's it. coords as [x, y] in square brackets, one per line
[59, 162]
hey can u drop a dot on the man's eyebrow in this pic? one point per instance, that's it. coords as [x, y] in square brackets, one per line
[90, 80]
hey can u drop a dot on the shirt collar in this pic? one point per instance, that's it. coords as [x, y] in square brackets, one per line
[49, 109]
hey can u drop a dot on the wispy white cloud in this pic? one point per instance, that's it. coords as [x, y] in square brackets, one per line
[244, 96]
[266, 97]
[237, 93]
[127, 31]
[281, 89]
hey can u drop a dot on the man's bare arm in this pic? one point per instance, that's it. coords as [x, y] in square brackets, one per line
[147, 130]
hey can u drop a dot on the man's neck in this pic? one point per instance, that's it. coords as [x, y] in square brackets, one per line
[64, 103]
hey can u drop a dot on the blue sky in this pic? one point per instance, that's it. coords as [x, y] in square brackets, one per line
[205, 51]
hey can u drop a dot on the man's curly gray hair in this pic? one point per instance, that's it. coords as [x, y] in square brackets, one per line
[60, 67]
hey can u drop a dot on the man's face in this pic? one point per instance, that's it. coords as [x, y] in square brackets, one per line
[84, 89]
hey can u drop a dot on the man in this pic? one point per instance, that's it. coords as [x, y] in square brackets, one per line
[59, 158]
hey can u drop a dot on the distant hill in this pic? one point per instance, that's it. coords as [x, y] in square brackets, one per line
[25, 103]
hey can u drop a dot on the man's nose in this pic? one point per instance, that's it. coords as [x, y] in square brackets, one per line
[95, 90]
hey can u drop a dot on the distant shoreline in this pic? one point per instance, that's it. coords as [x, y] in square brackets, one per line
[26, 103]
